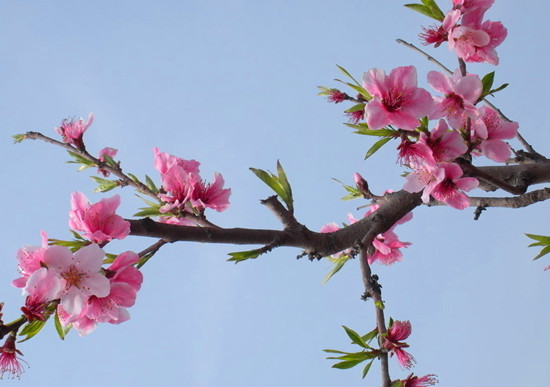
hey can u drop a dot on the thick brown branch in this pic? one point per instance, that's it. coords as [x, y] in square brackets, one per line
[392, 208]
[520, 176]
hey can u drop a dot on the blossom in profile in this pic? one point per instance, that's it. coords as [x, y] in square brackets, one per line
[73, 130]
[29, 260]
[110, 152]
[422, 381]
[80, 275]
[98, 222]
[10, 361]
[210, 195]
[393, 341]
[438, 34]
[396, 98]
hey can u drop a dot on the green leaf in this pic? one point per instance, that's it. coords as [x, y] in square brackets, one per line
[143, 260]
[367, 368]
[487, 82]
[434, 8]
[355, 337]
[244, 255]
[501, 87]
[338, 264]
[362, 128]
[347, 364]
[151, 184]
[422, 9]
[367, 338]
[377, 145]
[543, 252]
[355, 108]
[333, 351]
[30, 330]
[134, 178]
[17, 138]
[541, 241]
[61, 331]
[358, 89]
[278, 183]
[347, 74]
[152, 211]
[104, 185]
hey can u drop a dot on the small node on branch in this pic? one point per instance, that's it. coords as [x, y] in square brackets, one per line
[478, 211]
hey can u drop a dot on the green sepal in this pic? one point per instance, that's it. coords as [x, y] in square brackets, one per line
[279, 184]
[17, 138]
[541, 241]
[244, 255]
[104, 185]
[367, 369]
[376, 146]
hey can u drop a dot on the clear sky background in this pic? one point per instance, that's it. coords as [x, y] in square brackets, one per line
[232, 84]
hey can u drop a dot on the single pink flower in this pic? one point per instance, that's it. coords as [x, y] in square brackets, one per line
[72, 131]
[165, 161]
[42, 287]
[396, 98]
[111, 152]
[211, 195]
[461, 94]
[449, 188]
[29, 260]
[10, 361]
[423, 381]
[478, 44]
[472, 10]
[490, 130]
[398, 332]
[80, 274]
[387, 248]
[99, 222]
[445, 145]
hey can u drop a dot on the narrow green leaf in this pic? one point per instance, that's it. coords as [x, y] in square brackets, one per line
[487, 83]
[104, 185]
[355, 108]
[501, 87]
[32, 329]
[17, 138]
[436, 11]
[347, 364]
[151, 184]
[149, 212]
[358, 89]
[133, 177]
[244, 255]
[355, 337]
[367, 368]
[58, 327]
[340, 262]
[376, 146]
[333, 351]
[283, 180]
[543, 252]
[364, 129]
[422, 9]
[367, 338]
[347, 74]
[143, 260]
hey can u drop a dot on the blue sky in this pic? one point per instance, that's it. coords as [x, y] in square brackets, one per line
[233, 84]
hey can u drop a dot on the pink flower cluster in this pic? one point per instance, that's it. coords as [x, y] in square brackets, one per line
[85, 292]
[472, 39]
[387, 246]
[184, 191]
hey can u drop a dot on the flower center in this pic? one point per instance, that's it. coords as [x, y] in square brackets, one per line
[73, 276]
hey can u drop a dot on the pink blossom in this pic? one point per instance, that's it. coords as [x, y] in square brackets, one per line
[183, 185]
[439, 34]
[396, 98]
[387, 248]
[111, 152]
[445, 145]
[42, 287]
[336, 96]
[398, 332]
[461, 95]
[73, 130]
[355, 116]
[472, 10]
[443, 182]
[491, 129]
[80, 275]
[414, 152]
[211, 195]
[98, 221]
[29, 260]
[165, 161]
[478, 44]
[423, 381]
[10, 362]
